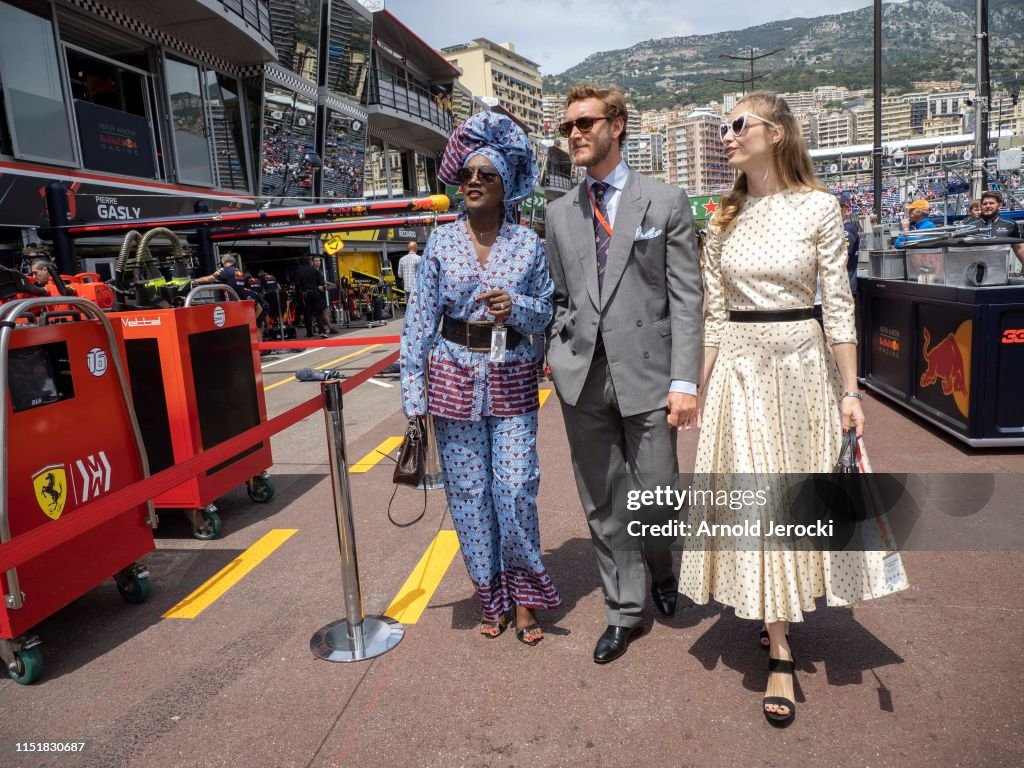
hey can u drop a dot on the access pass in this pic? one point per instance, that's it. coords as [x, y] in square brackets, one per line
[499, 336]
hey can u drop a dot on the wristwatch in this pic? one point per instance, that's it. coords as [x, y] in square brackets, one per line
[857, 395]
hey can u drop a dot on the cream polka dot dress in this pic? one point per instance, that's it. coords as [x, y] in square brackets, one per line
[772, 405]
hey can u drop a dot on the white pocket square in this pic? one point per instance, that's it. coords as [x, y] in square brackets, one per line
[649, 234]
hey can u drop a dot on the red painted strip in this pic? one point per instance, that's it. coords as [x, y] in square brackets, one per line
[342, 225]
[345, 341]
[50, 171]
[368, 373]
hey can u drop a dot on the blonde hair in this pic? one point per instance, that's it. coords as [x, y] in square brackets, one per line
[613, 98]
[789, 157]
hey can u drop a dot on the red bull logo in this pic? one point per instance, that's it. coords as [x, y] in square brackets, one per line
[889, 344]
[435, 203]
[948, 363]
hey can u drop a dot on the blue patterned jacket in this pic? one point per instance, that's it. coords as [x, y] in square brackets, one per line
[461, 384]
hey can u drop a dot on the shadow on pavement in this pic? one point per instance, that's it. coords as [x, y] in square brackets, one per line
[237, 511]
[831, 637]
[101, 620]
[563, 564]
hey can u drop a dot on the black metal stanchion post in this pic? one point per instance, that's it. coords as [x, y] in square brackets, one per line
[58, 211]
[355, 637]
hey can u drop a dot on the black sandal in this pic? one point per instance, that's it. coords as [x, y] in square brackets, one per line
[786, 668]
[522, 633]
[500, 625]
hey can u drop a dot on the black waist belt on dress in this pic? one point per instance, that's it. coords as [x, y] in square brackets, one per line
[476, 336]
[771, 316]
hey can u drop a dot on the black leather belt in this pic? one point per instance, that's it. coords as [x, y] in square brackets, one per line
[771, 316]
[476, 336]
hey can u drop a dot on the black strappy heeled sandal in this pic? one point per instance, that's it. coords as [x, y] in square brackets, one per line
[786, 668]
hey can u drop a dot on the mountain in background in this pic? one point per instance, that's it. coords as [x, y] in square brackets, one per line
[922, 39]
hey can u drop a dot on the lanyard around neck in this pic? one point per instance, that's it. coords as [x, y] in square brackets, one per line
[600, 216]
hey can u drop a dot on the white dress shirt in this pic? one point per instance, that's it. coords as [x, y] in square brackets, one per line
[616, 181]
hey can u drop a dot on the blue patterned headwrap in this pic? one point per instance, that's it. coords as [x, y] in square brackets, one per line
[500, 140]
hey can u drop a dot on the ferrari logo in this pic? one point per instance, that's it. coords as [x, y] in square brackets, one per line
[51, 485]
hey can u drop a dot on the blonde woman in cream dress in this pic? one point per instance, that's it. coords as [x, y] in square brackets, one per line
[777, 398]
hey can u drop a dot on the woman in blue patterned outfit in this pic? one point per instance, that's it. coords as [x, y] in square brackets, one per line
[482, 276]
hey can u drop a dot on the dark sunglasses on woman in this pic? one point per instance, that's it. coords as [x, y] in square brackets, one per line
[739, 125]
[486, 175]
[585, 124]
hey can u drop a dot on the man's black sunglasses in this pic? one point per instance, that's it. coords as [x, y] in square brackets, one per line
[585, 124]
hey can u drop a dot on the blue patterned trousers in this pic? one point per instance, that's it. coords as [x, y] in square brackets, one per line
[491, 477]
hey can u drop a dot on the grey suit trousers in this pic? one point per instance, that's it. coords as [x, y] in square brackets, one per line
[610, 454]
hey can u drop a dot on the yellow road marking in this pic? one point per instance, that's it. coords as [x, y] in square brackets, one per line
[544, 394]
[415, 594]
[323, 367]
[373, 458]
[203, 597]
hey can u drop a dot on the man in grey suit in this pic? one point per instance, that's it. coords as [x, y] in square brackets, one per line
[624, 347]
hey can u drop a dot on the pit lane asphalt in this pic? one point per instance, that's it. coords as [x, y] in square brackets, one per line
[929, 676]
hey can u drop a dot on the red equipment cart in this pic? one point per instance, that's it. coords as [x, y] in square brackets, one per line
[69, 437]
[196, 381]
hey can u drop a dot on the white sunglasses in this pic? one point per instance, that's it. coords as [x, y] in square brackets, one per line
[739, 125]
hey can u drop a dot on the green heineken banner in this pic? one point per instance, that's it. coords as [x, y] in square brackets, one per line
[535, 200]
[702, 207]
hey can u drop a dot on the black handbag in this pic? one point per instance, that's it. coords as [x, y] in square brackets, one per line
[847, 463]
[865, 513]
[412, 455]
[411, 466]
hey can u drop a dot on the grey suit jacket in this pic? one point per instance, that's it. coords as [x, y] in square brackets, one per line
[650, 307]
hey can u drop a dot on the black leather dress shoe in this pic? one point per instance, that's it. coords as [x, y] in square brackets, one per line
[614, 642]
[664, 594]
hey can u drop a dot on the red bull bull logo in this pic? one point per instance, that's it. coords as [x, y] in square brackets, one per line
[948, 363]
[435, 203]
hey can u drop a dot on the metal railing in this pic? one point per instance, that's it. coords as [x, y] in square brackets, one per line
[557, 180]
[256, 13]
[408, 99]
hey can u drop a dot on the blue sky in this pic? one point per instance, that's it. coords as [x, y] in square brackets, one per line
[560, 33]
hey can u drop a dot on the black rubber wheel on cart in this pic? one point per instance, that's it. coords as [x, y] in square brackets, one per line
[135, 590]
[260, 489]
[211, 528]
[30, 666]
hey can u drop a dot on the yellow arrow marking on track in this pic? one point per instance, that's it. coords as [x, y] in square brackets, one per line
[544, 394]
[374, 457]
[415, 594]
[206, 594]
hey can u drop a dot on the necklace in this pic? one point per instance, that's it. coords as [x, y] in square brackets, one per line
[480, 234]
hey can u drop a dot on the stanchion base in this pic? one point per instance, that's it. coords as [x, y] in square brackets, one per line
[333, 642]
